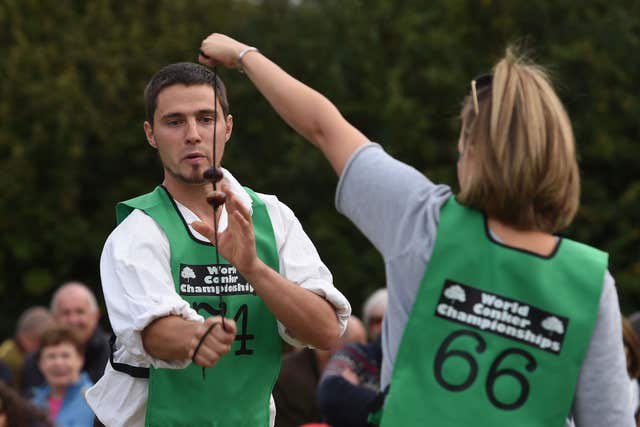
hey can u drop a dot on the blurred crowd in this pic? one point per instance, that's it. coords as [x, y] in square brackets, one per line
[55, 354]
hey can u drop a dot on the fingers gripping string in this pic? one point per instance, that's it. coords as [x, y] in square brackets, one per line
[204, 336]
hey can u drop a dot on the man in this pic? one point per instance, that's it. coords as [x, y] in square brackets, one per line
[295, 390]
[31, 324]
[160, 278]
[74, 305]
[373, 311]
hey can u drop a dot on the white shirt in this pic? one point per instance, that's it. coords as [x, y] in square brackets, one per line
[138, 288]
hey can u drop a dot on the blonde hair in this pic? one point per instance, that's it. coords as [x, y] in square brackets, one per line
[519, 151]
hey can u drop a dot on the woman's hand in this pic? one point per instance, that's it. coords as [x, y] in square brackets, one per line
[220, 49]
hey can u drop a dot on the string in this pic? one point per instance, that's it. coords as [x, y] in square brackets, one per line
[221, 303]
[214, 180]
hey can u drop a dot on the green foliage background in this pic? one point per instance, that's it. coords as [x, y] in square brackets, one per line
[72, 74]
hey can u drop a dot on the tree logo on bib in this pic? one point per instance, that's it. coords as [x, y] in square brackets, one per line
[187, 273]
[455, 293]
[553, 324]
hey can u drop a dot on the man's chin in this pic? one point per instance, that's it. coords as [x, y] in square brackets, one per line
[194, 181]
[192, 178]
[83, 335]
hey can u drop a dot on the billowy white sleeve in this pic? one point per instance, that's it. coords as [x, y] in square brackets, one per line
[138, 287]
[301, 264]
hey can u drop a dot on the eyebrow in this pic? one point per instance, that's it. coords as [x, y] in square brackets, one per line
[177, 115]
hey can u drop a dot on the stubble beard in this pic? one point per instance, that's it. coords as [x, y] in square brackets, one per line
[194, 178]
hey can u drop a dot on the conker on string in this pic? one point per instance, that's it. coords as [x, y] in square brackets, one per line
[216, 198]
[213, 174]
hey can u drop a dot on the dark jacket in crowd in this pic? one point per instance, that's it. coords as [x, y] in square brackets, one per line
[295, 390]
[343, 404]
[5, 373]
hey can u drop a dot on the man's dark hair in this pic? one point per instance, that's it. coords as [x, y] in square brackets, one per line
[186, 73]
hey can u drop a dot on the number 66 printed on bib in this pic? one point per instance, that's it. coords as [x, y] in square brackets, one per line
[498, 382]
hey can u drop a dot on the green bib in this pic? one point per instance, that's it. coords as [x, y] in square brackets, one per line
[496, 336]
[236, 391]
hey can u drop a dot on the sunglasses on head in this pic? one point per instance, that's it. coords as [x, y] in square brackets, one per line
[478, 83]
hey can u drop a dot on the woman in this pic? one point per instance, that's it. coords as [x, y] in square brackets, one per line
[60, 360]
[492, 318]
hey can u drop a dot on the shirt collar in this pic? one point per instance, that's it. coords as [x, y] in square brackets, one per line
[238, 190]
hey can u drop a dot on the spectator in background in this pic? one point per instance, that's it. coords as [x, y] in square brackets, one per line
[60, 359]
[373, 312]
[350, 384]
[17, 412]
[295, 390]
[74, 305]
[31, 324]
[632, 350]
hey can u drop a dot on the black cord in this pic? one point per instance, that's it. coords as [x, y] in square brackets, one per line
[215, 185]
[195, 352]
[221, 304]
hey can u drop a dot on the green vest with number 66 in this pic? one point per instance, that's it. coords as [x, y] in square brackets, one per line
[497, 335]
[236, 391]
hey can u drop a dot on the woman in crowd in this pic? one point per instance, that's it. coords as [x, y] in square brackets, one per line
[60, 360]
[493, 319]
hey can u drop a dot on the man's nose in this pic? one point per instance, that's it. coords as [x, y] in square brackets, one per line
[73, 319]
[193, 136]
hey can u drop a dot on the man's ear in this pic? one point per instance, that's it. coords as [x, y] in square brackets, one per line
[229, 124]
[148, 131]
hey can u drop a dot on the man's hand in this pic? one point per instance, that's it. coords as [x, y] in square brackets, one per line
[237, 243]
[220, 49]
[216, 344]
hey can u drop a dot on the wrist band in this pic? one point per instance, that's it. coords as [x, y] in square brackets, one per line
[242, 54]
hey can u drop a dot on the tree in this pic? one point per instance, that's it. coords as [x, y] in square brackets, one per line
[71, 111]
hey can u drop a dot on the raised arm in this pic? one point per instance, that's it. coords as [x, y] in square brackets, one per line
[311, 114]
